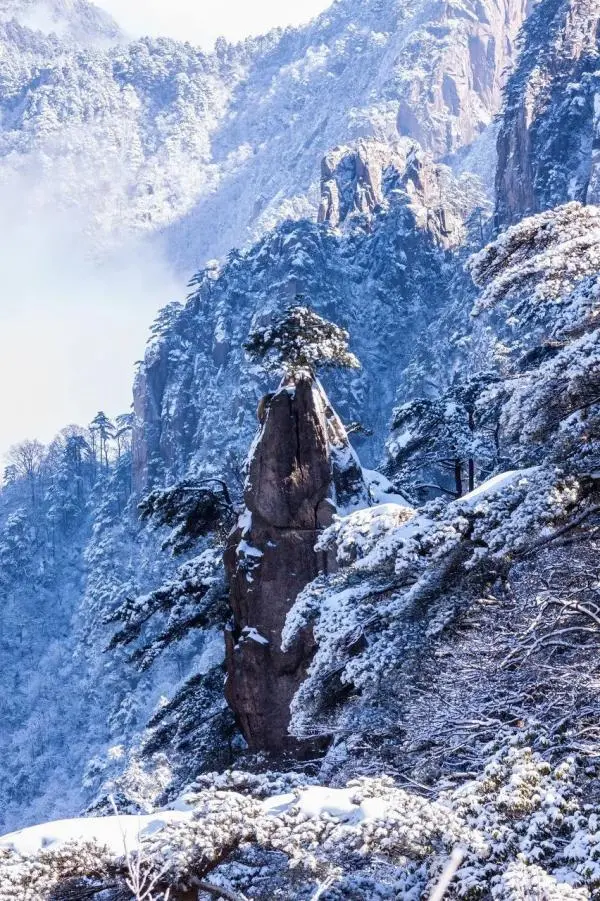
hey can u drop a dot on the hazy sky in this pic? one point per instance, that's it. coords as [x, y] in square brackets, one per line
[201, 21]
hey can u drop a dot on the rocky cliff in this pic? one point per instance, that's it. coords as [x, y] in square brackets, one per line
[212, 150]
[300, 466]
[374, 69]
[384, 272]
[361, 180]
[549, 138]
[382, 263]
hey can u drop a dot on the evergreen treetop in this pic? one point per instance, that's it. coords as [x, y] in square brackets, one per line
[300, 341]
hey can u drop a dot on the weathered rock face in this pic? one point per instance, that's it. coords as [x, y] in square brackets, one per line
[549, 139]
[464, 51]
[358, 181]
[294, 478]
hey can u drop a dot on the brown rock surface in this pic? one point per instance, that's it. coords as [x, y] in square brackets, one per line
[354, 180]
[289, 471]
[271, 558]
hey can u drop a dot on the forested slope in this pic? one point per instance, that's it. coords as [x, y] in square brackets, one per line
[448, 681]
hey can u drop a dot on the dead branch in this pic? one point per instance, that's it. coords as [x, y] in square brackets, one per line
[219, 891]
[591, 511]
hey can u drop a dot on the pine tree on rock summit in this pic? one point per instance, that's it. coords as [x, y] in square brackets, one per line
[298, 342]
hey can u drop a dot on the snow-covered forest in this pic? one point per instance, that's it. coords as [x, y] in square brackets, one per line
[319, 616]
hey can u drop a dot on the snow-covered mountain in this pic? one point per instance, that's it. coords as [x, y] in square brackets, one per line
[548, 145]
[384, 272]
[71, 20]
[210, 150]
[200, 151]
[444, 659]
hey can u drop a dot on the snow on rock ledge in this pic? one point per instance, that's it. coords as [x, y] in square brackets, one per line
[395, 582]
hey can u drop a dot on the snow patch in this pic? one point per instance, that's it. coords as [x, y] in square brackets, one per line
[245, 522]
[247, 550]
[495, 484]
[317, 801]
[381, 490]
[118, 833]
[253, 634]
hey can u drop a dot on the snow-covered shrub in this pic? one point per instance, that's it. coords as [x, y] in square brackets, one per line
[377, 609]
[33, 877]
[528, 882]
[544, 258]
[520, 825]
[541, 295]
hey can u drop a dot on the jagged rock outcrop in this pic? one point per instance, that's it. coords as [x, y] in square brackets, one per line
[465, 50]
[358, 181]
[548, 145]
[301, 467]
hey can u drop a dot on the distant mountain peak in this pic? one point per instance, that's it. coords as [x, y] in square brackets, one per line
[79, 20]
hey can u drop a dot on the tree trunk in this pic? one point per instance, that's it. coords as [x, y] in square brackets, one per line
[471, 474]
[458, 477]
[471, 460]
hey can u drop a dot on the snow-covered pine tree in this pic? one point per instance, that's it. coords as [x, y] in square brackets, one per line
[444, 445]
[299, 341]
[195, 725]
[102, 430]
